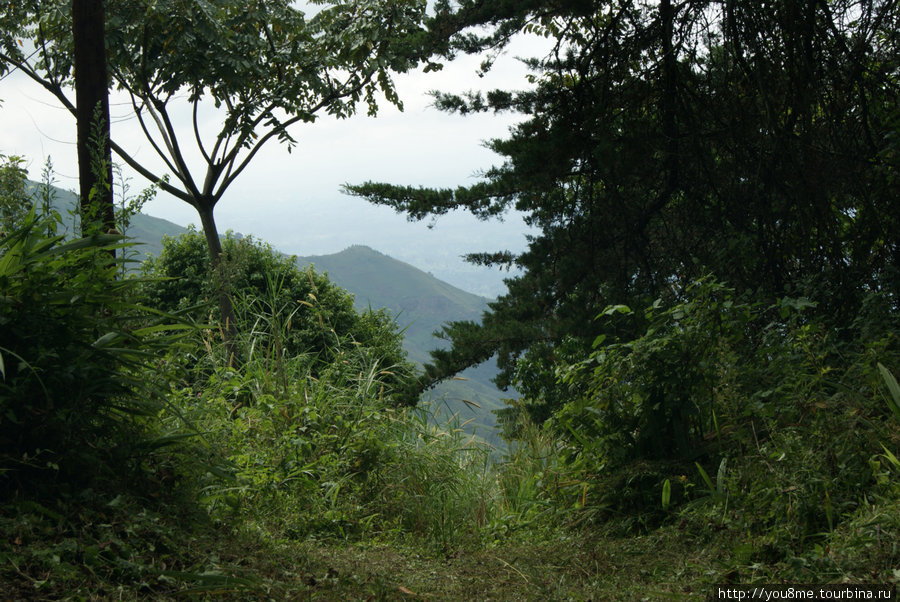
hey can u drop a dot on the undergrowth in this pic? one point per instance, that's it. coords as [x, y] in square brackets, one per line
[731, 442]
[746, 428]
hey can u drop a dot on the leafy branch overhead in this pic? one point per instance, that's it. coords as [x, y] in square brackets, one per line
[663, 141]
[263, 66]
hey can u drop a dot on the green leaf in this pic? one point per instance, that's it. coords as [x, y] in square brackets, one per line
[106, 339]
[893, 388]
[706, 479]
[720, 477]
[615, 309]
[891, 457]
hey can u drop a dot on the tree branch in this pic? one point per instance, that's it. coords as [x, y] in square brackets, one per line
[53, 88]
[138, 111]
[281, 127]
[197, 132]
[175, 149]
[152, 177]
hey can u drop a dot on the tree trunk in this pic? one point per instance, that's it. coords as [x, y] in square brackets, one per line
[92, 115]
[669, 104]
[220, 277]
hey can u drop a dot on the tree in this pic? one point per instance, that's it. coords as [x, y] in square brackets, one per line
[92, 114]
[261, 67]
[664, 141]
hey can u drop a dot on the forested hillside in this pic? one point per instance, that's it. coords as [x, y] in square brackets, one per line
[703, 330]
[420, 301]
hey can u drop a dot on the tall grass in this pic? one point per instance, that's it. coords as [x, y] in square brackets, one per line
[316, 445]
[80, 358]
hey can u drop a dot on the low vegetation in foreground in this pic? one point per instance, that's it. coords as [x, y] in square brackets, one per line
[143, 457]
[703, 327]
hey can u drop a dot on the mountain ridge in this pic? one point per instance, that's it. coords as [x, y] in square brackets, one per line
[419, 301]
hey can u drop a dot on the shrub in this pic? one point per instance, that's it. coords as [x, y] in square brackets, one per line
[77, 355]
[283, 311]
[722, 403]
[330, 455]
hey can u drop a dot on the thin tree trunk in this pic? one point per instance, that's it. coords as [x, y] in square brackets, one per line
[220, 278]
[92, 115]
[668, 108]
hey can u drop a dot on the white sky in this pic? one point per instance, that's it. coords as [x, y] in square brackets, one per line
[292, 200]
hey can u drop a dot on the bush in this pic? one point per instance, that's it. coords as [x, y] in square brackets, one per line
[307, 422]
[722, 403]
[282, 311]
[77, 357]
[330, 454]
[659, 396]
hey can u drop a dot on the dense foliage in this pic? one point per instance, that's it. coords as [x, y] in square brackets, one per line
[704, 336]
[665, 141]
[319, 448]
[115, 427]
[283, 311]
[713, 285]
[77, 353]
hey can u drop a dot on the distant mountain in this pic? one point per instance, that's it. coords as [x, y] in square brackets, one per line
[144, 229]
[419, 302]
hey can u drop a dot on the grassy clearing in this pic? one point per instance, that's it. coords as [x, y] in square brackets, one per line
[667, 564]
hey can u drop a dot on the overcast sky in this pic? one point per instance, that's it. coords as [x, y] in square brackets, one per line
[292, 200]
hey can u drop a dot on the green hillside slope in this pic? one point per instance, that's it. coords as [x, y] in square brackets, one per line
[421, 303]
[150, 231]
